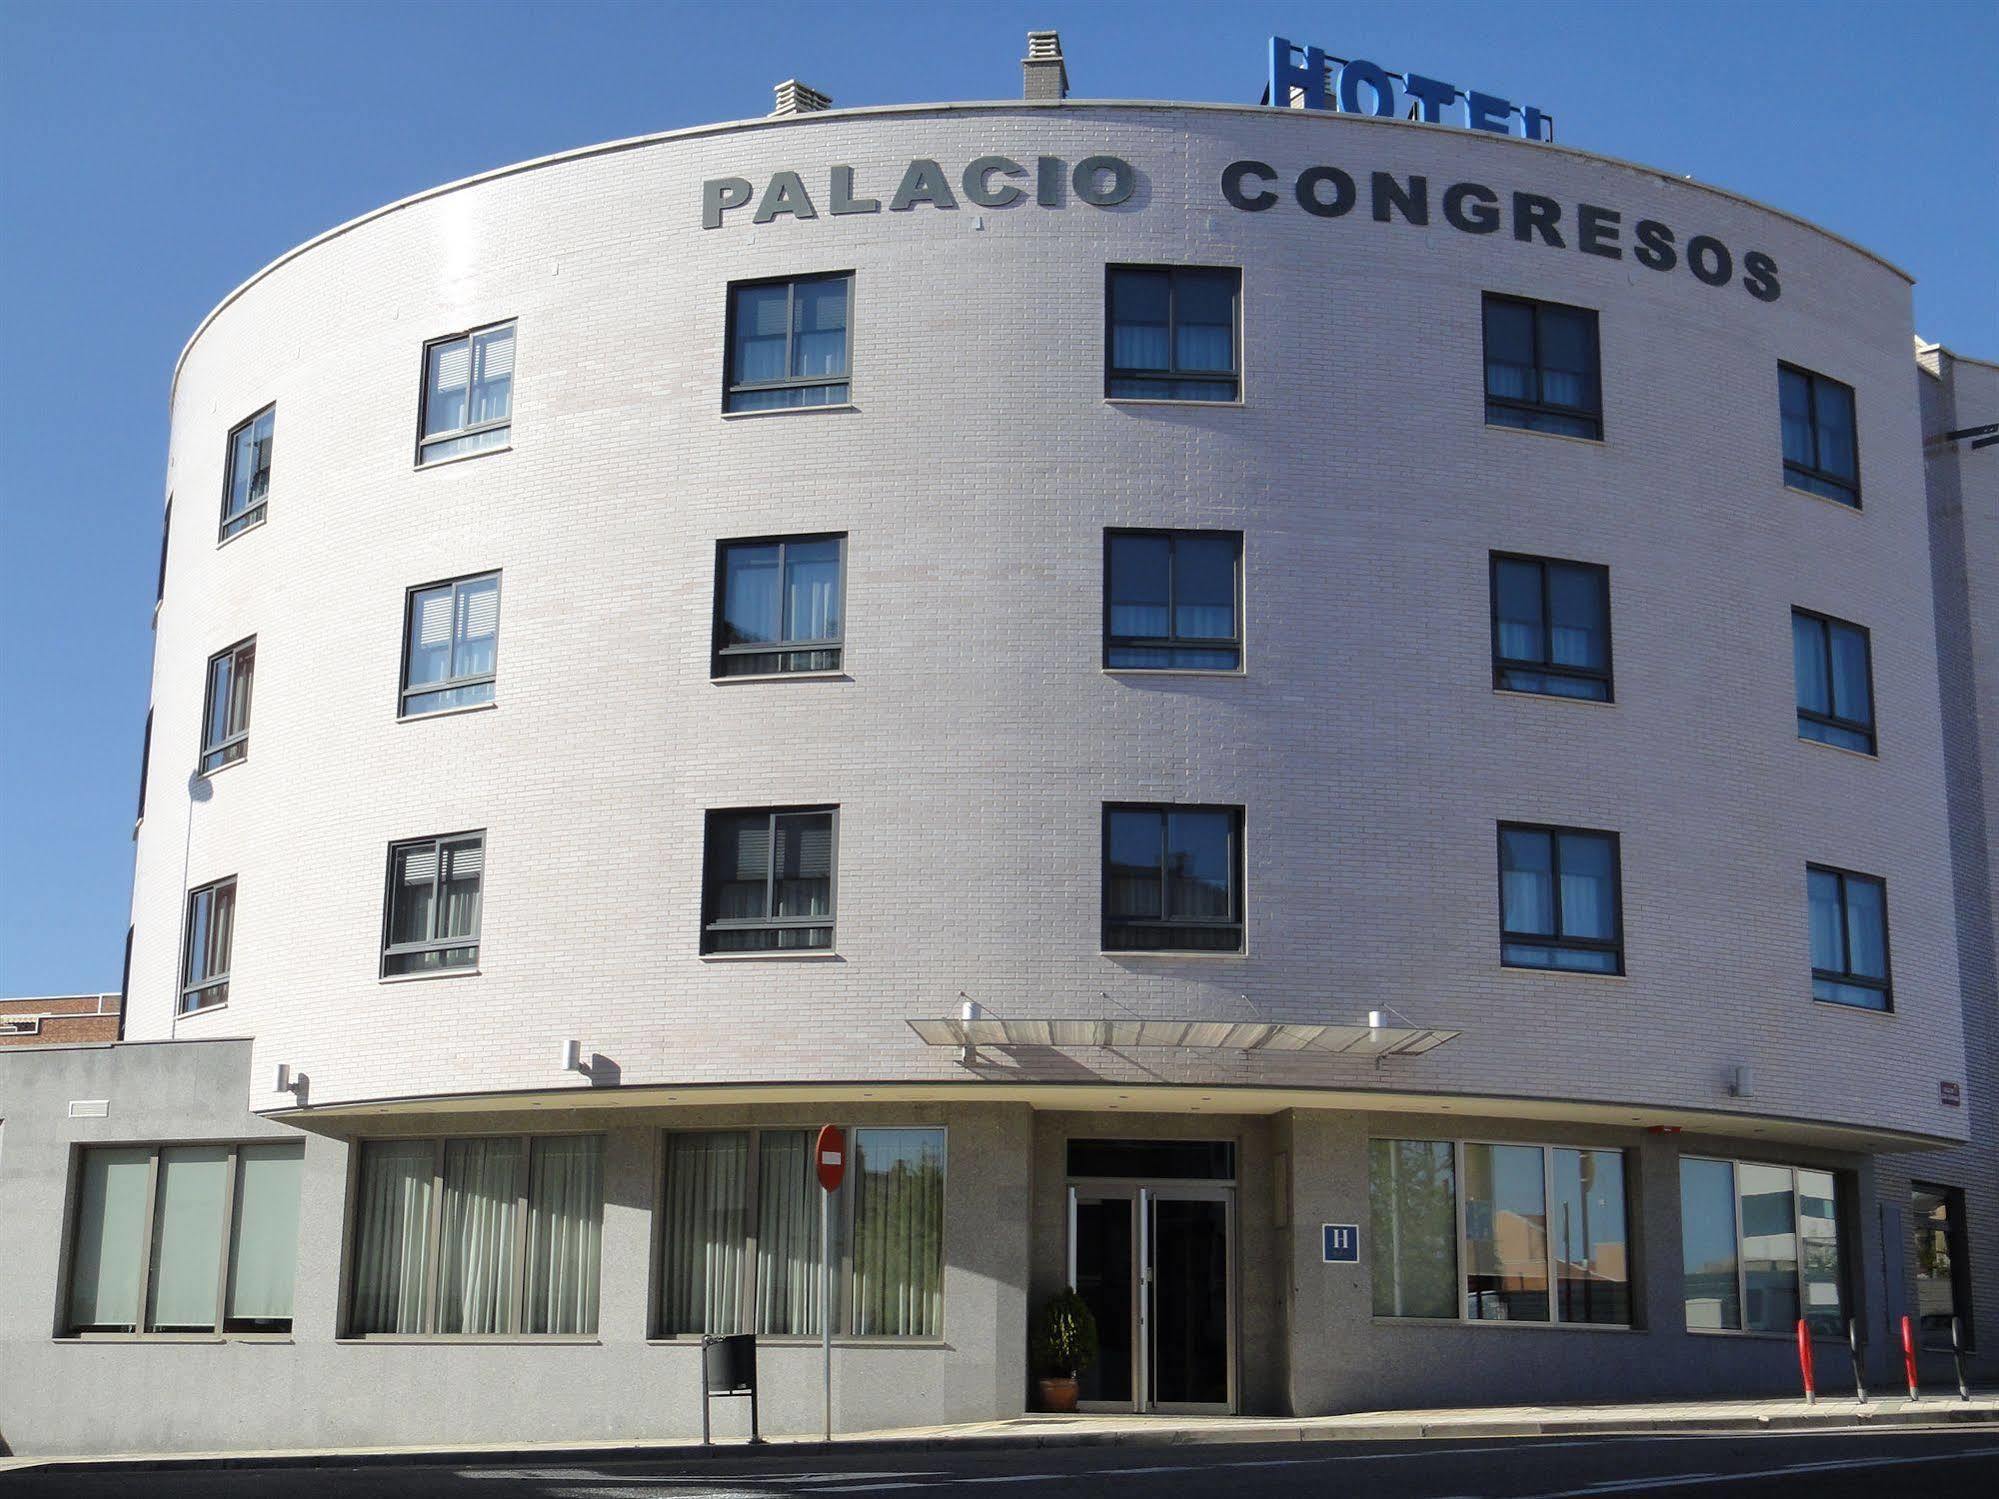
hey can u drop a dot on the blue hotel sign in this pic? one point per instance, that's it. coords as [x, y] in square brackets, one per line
[1339, 1243]
[1359, 87]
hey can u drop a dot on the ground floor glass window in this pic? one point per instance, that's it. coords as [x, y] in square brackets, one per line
[1761, 1248]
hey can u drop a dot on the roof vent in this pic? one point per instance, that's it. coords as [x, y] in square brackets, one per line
[1043, 74]
[795, 98]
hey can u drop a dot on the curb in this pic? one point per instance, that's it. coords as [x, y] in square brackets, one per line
[1378, 1431]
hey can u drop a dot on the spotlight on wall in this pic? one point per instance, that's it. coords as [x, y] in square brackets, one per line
[284, 1082]
[1741, 1081]
[572, 1056]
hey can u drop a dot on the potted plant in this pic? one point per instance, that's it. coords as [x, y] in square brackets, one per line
[1065, 1344]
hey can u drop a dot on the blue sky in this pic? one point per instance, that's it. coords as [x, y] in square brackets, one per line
[153, 156]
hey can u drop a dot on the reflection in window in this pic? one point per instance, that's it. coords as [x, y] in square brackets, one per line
[1506, 1234]
[1832, 663]
[1541, 367]
[1849, 935]
[770, 880]
[1170, 600]
[1769, 1248]
[1820, 451]
[1586, 1221]
[1172, 878]
[1707, 1244]
[468, 394]
[1172, 333]
[788, 343]
[780, 606]
[451, 645]
[1412, 1211]
[1558, 891]
[248, 485]
[1943, 1281]
[211, 931]
[898, 1288]
[435, 887]
[1761, 1246]
[225, 714]
[1551, 627]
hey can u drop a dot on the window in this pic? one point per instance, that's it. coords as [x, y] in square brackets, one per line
[1172, 333]
[211, 925]
[248, 484]
[1761, 1247]
[185, 1238]
[1172, 878]
[1849, 926]
[1943, 1272]
[432, 922]
[770, 880]
[788, 343]
[485, 1236]
[740, 1249]
[1834, 666]
[451, 642]
[1173, 600]
[1559, 899]
[1820, 451]
[1541, 367]
[779, 605]
[225, 715]
[1543, 1238]
[166, 535]
[468, 394]
[145, 766]
[1551, 627]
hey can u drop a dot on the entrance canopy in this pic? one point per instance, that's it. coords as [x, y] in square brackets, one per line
[1206, 1035]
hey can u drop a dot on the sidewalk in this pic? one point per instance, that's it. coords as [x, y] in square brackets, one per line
[1137, 1431]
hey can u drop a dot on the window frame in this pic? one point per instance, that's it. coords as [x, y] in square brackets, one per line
[1172, 373]
[711, 924]
[150, 1229]
[238, 739]
[428, 1304]
[437, 844]
[845, 1200]
[1174, 641]
[732, 387]
[1501, 664]
[718, 651]
[426, 438]
[254, 515]
[1238, 837]
[1592, 415]
[1848, 1247]
[474, 679]
[1884, 985]
[166, 537]
[188, 987]
[1813, 380]
[1825, 624]
[145, 769]
[1632, 1278]
[1507, 937]
[1957, 1237]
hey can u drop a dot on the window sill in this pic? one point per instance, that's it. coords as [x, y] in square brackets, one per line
[181, 1015]
[817, 954]
[418, 978]
[836, 675]
[1236, 405]
[732, 416]
[474, 1340]
[256, 525]
[1873, 755]
[423, 464]
[1567, 973]
[446, 712]
[1588, 442]
[174, 1337]
[1851, 507]
[1173, 671]
[1555, 697]
[1847, 1009]
[1206, 954]
[1455, 1322]
[208, 775]
[793, 1340]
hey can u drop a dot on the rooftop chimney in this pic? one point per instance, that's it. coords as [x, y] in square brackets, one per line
[1042, 72]
[795, 98]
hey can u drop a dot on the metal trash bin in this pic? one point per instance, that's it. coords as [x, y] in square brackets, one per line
[729, 1367]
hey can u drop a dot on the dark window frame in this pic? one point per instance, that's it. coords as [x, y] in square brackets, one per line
[1957, 1234]
[405, 691]
[1825, 623]
[217, 984]
[1238, 901]
[711, 924]
[217, 756]
[1592, 414]
[1501, 665]
[433, 943]
[1174, 641]
[256, 513]
[1884, 985]
[1555, 832]
[732, 387]
[835, 646]
[145, 769]
[166, 536]
[1813, 470]
[1173, 373]
[426, 438]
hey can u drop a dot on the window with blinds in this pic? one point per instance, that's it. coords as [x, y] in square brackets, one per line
[211, 930]
[1171, 333]
[468, 394]
[247, 485]
[432, 919]
[225, 714]
[1542, 367]
[451, 642]
[769, 883]
[788, 343]
[779, 605]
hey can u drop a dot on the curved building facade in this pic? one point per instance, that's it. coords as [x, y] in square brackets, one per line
[1327, 729]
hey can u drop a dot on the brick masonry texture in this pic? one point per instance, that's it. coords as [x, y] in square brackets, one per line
[973, 736]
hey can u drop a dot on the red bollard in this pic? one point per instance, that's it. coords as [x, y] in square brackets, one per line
[1805, 1361]
[1909, 1355]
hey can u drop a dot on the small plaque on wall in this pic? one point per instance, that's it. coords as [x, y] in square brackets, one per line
[1952, 1094]
[1341, 1245]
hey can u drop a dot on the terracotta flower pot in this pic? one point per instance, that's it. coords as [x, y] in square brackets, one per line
[1058, 1394]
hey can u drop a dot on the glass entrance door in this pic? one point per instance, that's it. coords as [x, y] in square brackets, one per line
[1155, 1266]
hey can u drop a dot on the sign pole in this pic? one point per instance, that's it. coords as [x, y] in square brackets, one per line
[829, 1161]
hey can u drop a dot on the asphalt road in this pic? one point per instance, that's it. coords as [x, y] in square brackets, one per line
[1934, 1463]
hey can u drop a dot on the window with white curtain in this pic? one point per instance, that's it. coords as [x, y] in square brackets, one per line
[739, 1234]
[1542, 367]
[1849, 935]
[779, 605]
[184, 1239]
[1173, 600]
[468, 394]
[1172, 878]
[1832, 661]
[432, 919]
[211, 931]
[1815, 416]
[788, 343]
[1560, 899]
[1551, 627]
[1171, 333]
[1762, 1248]
[769, 881]
[225, 713]
[246, 488]
[451, 644]
[480, 1236]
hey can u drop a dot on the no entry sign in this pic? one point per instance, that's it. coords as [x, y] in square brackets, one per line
[829, 1156]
